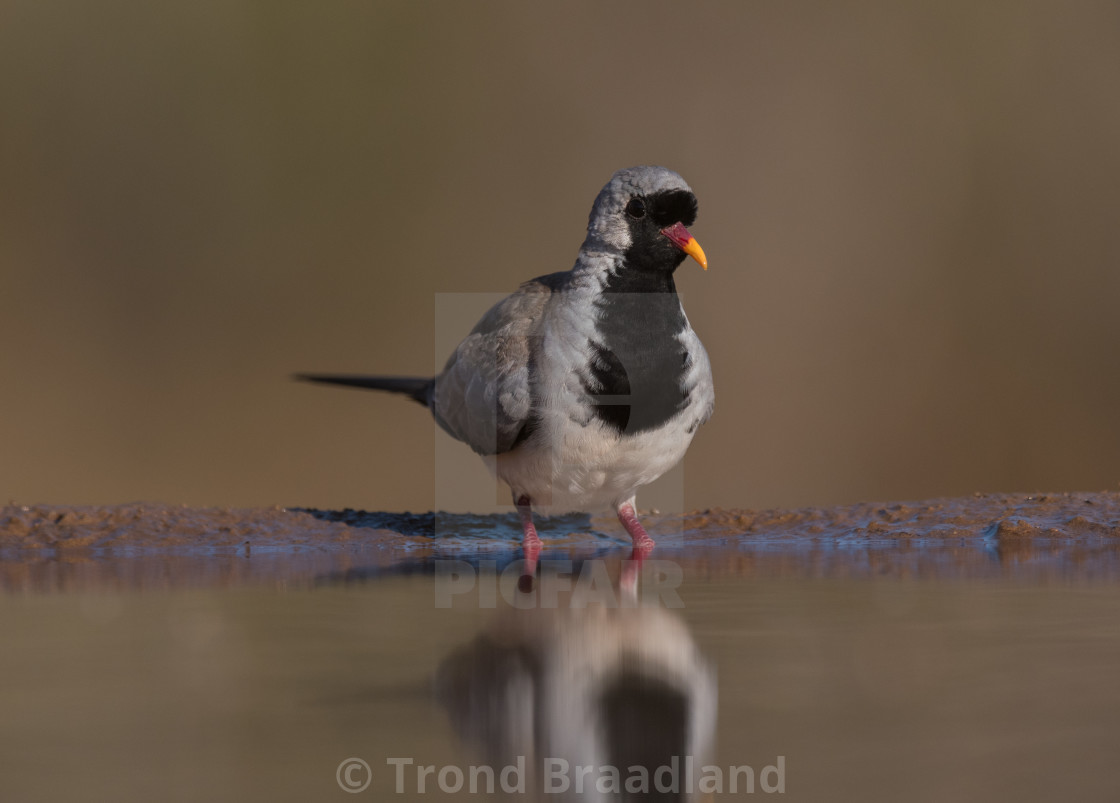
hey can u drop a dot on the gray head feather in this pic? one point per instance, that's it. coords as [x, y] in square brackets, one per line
[607, 228]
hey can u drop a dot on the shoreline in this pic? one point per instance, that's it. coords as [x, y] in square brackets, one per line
[1036, 537]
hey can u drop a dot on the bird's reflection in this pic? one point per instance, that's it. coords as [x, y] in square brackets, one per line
[617, 689]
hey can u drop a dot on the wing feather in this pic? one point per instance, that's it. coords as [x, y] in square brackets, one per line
[484, 395]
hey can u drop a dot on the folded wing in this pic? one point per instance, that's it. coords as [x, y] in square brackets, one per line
[484, 395]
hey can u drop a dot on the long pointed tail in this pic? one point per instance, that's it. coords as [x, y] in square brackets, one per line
[416, 388]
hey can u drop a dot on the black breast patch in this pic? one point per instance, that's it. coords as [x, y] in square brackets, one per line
[636, 374]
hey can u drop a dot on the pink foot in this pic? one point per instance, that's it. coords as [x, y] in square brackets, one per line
[530, 542]
[638, 533]
[632, 569]
[528, 571]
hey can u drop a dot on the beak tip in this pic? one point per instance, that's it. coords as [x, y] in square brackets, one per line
[694, 250]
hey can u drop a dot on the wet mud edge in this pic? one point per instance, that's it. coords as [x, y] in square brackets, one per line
[1060, 534]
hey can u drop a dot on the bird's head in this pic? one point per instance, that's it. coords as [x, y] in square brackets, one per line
[643, 214]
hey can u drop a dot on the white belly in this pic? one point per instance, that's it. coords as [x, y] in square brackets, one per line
[566, 466]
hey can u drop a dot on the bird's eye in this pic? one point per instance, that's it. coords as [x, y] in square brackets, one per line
[636, 208]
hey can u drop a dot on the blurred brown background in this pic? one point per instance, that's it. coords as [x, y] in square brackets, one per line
[910, 212]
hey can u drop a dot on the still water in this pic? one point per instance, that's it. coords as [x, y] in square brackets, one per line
[803, 684]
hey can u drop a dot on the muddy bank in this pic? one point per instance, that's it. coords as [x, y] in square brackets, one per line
[1040, 536]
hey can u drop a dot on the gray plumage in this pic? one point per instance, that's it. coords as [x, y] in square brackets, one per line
[483, 397]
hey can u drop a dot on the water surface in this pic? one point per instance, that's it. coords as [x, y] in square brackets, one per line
[972, 667]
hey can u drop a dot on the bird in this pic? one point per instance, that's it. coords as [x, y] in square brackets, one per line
[583, 385]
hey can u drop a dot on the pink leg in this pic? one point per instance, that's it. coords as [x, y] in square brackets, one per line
[529, 537]
[530, 542]
[638, 533]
